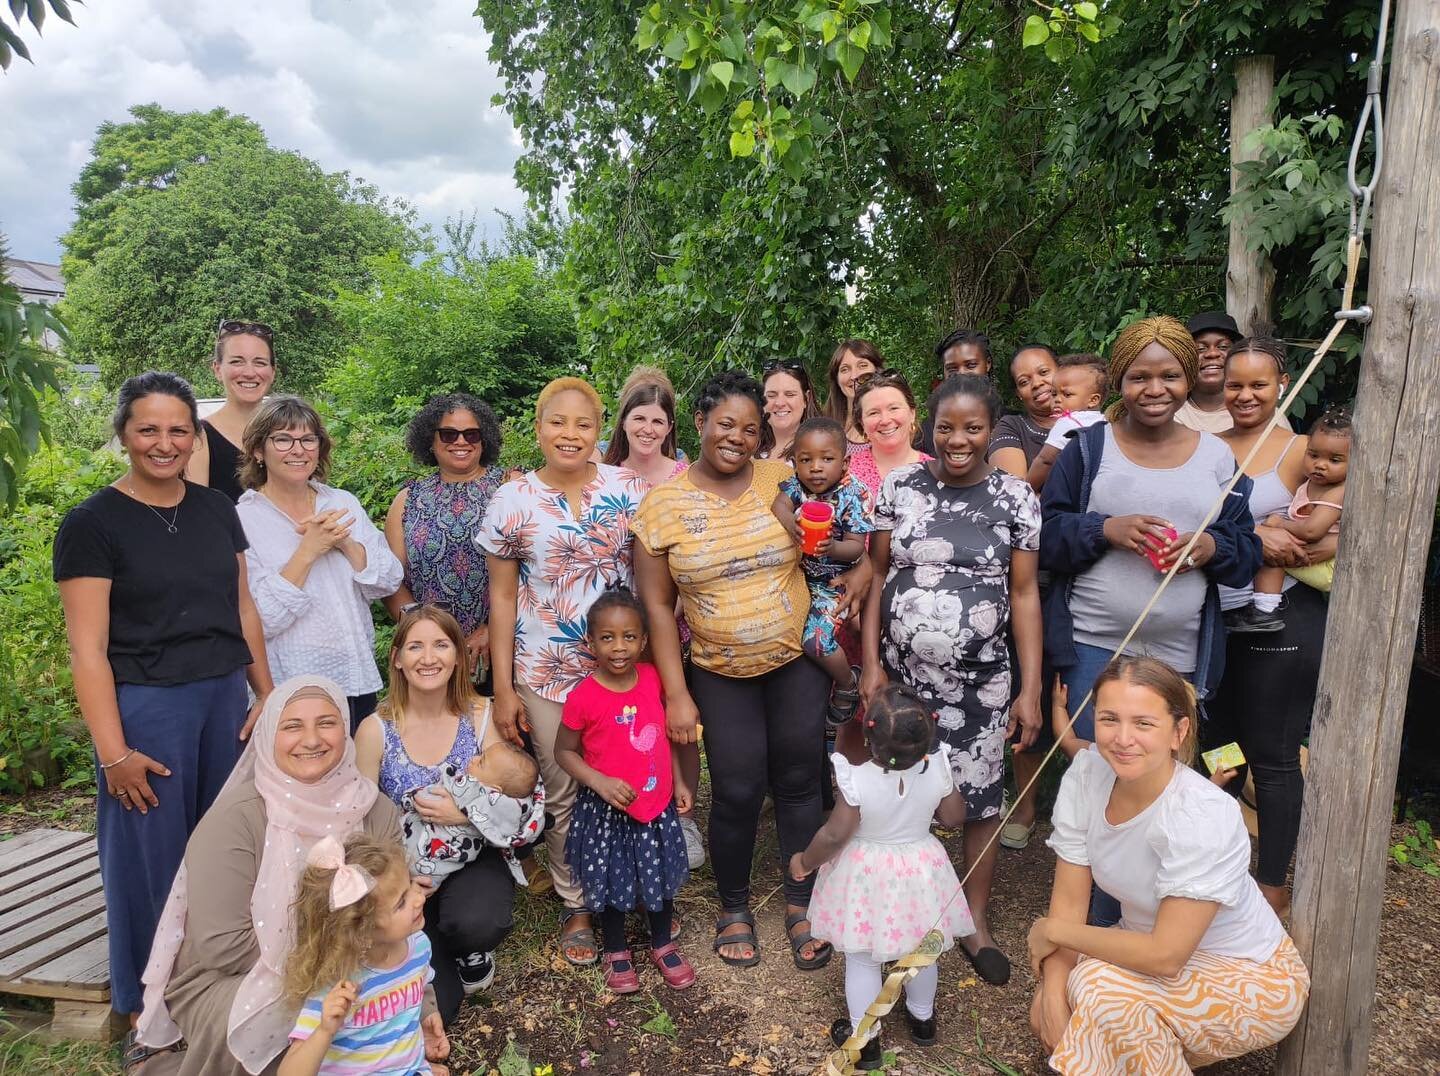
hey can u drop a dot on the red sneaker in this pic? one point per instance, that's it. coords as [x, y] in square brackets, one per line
[678, 973]
[624, 981]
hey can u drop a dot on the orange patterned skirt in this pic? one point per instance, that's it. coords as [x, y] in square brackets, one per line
[1126, 1024]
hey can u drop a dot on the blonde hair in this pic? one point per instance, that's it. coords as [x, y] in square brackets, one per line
[1170, 333]
[568, 384]
[331, 944]
[1174, 690]
[460, 694]
[279, 413]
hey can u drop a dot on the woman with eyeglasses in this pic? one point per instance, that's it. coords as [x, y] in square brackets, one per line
[433, 520]
[244, 364]
[315, 561]
[789, 401]
[851, 361]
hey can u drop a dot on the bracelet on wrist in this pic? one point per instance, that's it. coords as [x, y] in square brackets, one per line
[122, 758]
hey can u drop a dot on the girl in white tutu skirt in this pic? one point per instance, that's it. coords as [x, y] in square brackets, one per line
[884, 878]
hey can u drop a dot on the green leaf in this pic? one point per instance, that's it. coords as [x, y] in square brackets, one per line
[860, 35]
[37, 14]
[1035, 32]
[674, 45]
[660, 1024]
[723, 71]
[742, 111]
[1087, 11]
[61, 8]
[742, 143]
[850, 59]
[647, 33]
[17, 9]
[9, 37]
[830, 27]
[798, 80]
[1089, 31]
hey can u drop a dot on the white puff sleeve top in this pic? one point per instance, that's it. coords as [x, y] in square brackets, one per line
[1191, 842]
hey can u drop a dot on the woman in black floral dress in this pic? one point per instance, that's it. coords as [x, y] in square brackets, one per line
[955, 551]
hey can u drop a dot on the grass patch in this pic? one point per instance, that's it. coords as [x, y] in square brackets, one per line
[26, 1054]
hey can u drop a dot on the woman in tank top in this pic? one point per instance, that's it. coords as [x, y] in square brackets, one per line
[244, 364]
[1268, 690]
[431, 717]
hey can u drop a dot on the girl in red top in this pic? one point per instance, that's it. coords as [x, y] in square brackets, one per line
[625, 838]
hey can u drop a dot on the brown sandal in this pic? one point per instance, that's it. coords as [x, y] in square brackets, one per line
[580, 938]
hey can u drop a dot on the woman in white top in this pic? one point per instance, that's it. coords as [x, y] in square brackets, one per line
[315, 561]
[1199, 968]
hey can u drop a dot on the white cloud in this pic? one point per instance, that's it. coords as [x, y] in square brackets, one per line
[397, 94]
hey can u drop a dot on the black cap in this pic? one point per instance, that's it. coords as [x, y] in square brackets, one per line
[1214, 321]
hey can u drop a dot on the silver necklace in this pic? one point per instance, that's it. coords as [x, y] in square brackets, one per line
[169, 523]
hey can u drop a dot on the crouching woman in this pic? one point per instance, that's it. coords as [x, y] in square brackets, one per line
[1199, 968]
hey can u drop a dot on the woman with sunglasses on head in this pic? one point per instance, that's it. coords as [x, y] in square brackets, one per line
[850, 362]
[433, 520]
[789, 401]
[316, 562]
[244, 364]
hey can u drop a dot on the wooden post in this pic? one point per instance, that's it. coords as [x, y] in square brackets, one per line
[1250, 278]
[1370, 638]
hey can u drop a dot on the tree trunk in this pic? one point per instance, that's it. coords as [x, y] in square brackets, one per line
[1250, 279]
[1389, 504]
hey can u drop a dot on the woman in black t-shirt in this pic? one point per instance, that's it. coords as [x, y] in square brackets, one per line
[162, 635]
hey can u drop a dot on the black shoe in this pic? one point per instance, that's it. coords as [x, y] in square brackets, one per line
[922, 1032]
[989, 963]
[1250, 619]
[870, 1055]
[477, 971]
[844, 702]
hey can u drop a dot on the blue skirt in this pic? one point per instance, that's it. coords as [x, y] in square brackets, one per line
[621, 863]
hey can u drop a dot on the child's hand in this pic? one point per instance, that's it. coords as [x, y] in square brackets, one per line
[336, 1006]
[822, 547]
[615, 792]
[1223, 777]
[798, 873]
[684, 798]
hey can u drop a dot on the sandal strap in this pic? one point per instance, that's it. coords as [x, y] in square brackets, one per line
[729, 919]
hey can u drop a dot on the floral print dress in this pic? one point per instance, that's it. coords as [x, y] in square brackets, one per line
[945, 608]
[444, 566]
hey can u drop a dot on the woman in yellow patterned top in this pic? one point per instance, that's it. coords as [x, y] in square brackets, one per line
[709, 535]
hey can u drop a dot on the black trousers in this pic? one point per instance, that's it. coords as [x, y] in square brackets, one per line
[361, 707]
[471, 912]
[762, 732]
[1264, 704]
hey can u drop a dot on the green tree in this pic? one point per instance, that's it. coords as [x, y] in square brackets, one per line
[246, 232]
[28, 370]
[11, 44]
[732, 169]
[493, 325]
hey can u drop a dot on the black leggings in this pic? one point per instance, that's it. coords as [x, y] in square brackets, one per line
[1264, 704]
[762, 732]
[612, 927]
[471, 912]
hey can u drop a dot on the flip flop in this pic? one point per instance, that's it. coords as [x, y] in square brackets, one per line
[584, 938]
[729, 919]
[804, 938]
[134, 1054]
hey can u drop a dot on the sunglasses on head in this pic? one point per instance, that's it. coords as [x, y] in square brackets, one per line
[793, 366]
[449, 435]
[246, 328]
[882, 377]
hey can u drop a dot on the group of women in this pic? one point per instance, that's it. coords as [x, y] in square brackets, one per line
[174, 599]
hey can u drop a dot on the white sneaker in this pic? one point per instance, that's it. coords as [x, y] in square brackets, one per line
[694, 843]
[477, 971]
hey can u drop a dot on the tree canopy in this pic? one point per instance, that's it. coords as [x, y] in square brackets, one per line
[184, 220]
[933, 164]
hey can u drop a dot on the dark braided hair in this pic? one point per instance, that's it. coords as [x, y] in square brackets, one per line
[963, 336]
[1337, 420]
[728, 383]
[899, 727]
[977, 386]
[615, 598]
[1259, 345]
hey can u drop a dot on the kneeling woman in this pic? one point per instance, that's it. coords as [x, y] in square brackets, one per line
[1199, 968]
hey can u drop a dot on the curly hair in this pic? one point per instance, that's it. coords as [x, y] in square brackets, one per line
[1174, 691]
[725, 384]
[821, 424]
[899, 726]
[976, 386]
[1170, 333]
[615, 598]
[1337, 421]
[836, 406]
[420, 434]
[330, 944]
[280, 413]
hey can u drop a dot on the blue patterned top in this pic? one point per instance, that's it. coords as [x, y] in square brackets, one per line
[853, 510]
[445, 567]
[400, 774]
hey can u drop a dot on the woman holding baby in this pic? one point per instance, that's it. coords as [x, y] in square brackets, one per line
[467, 798]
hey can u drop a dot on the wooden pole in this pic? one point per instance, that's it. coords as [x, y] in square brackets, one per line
[1370, 637]
[1250, 278]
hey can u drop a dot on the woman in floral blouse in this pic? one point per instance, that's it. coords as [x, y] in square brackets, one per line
[554, 539]
[955, 551]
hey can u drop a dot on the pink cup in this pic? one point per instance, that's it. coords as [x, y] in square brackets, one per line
[816, 518]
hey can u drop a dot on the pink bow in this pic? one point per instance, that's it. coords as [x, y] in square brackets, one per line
[350, 883]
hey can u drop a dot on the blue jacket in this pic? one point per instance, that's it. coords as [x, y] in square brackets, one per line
[1072, 539]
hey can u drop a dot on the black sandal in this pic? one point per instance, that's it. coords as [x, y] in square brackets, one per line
[799, 941]
[134, 1053]
[844, 702]
[730, 919]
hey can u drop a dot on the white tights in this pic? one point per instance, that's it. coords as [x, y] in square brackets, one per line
[862, 983]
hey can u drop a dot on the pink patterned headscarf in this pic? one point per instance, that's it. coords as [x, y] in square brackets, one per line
[297, 816]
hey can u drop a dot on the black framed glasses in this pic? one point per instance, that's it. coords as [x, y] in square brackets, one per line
[246, 328]
[449, 435]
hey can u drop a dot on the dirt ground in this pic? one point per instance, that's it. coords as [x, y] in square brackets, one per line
[543, 1018]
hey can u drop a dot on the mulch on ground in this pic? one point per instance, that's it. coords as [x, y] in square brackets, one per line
[541, 1015]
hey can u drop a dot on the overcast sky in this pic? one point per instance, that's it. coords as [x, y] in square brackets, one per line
[396, 93]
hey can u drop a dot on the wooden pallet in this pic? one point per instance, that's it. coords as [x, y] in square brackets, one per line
[53, 939]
